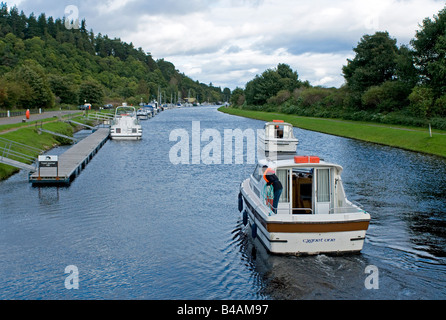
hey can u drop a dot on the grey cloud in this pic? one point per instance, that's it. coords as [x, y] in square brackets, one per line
[233, 49]
[166, 7]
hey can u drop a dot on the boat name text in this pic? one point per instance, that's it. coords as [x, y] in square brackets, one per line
[309, 241]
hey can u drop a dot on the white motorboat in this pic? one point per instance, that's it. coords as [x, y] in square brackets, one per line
[278, 136]
[125, 124]
[150, 111]
[142, 114]
[313, 215]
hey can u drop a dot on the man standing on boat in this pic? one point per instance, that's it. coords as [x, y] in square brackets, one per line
[271, 179]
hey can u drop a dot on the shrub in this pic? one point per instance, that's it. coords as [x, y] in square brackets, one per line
[421, 101]
[440, 107]
[390, 96]
[280, 97]
[313, 96]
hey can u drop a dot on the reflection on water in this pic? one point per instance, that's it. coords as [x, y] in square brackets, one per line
[138, 227]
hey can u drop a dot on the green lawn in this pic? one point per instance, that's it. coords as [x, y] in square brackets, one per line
[31, 137]
[414, 139]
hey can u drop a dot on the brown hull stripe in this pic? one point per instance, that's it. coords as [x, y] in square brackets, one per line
[317, 227]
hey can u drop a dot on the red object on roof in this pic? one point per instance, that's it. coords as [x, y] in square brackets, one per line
[307, 159]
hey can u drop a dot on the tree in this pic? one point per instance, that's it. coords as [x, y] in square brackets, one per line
[17, 22]
[238, 97]
[289, 78]
[42, 25]
[92, 92]
[405, 68]
[375, 62]
[226, 94]
[430, 52]
[33, 28]
[263, 87]
[14, 93]
[63, 88]
[33, 75]
[52, 27]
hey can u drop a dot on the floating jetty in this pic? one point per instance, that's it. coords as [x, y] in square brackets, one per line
[72, 162]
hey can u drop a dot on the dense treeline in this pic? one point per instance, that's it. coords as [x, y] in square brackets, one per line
[42, 63]
[383, 83]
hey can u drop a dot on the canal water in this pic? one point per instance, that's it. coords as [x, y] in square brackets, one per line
[135, 226]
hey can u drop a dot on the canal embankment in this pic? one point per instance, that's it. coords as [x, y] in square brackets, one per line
[407, 138]
[28, 134]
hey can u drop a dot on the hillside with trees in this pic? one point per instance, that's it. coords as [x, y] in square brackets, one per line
[43, 64]
[383, 83]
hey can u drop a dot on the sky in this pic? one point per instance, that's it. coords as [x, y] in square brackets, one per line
[228, 42]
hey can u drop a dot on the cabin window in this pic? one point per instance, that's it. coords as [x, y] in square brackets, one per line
[118, 130]
[283, 176]
[279, 132]
[323, 185]
[258, 173]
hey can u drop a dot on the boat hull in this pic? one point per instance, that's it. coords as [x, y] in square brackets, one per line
[278, 145]
[125, 137]
[309, 243]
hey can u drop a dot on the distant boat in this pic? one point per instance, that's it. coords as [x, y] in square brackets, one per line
[142, 114]
[125, 124]
[150, 111]
[278, 136]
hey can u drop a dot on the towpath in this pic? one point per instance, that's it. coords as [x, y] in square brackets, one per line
[34, 117]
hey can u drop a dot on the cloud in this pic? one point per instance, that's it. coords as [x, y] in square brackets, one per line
[228, 42]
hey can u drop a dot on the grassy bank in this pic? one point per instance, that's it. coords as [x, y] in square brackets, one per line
[31, 137]
[414, 139]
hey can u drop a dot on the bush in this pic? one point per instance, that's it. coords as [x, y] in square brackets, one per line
[390, 96]
[440, 107]
[313, 96]
[281, 97]
[439, 123]
[421, 101]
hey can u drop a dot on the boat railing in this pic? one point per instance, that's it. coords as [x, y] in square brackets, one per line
[310, 211]
[350, 209]
[291, 211]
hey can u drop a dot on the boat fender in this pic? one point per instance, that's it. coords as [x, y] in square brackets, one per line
[240, 202]
[254, 231]
[245, 218]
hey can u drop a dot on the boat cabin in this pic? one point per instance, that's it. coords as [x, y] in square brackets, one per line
[278, 129]
[310, 186]
[125, 111]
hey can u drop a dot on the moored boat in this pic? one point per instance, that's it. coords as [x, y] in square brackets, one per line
[313, 216]
[142, 114]
[125, 124]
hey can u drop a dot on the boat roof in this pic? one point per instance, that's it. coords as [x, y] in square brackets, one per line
[277, 123]
[288, 161]
[126, 107]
